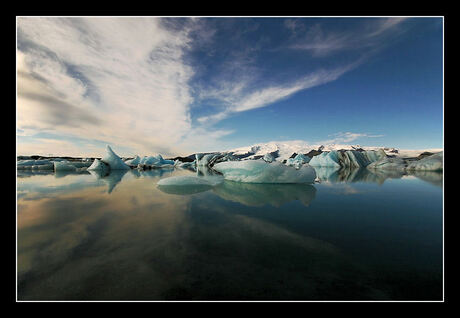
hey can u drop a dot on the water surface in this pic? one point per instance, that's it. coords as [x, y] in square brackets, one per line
[357, 235]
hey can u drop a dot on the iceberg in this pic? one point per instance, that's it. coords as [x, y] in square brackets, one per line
[63, 165]
[430, 163]
[347, 158]
[352, 158]
[259, 171]
[373, 155]
[154, 161]
[205, 159]
[268, 157]
[388, 164]
[114, 161]
[25, 163]
[298, 160]
[98, 165]
[133, 162]
[326, 159]
[184, 165]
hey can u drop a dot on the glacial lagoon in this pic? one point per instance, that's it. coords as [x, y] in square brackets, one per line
[357, 235]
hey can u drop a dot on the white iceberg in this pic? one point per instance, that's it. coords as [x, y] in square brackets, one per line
[268, 157]
[114, 161]
[98, 165]
[259, 171]
[155, 161]
[298, 160]
[326, 159]
[430, 163]
[64, 166]
[22, 163]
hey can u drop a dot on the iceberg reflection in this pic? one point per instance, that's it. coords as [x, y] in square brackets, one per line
[258, 194]
[111, 178]
[433, 177]
[349, 175]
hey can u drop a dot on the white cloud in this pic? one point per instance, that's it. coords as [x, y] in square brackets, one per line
[346, 137]
[120, 80]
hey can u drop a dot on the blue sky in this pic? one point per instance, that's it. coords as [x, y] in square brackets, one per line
[181, 85]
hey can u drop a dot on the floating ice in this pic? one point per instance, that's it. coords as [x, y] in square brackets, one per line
[98, 165]
[298, 160]
[430, 163]
[326, 159]
[21, 163]
[155, 161]
[133, 162]
[114, 161]
[258, 171]
[388, 164]
[268, 157]
[205, 159]
[184, 165]
[58, 166]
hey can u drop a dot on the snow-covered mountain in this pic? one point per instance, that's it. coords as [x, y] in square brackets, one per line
[284, 149]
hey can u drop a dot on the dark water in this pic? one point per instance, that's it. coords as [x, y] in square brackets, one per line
[358, 236]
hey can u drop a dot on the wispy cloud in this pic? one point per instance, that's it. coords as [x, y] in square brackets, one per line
[321, 43]
[346, 137]
[237, 98]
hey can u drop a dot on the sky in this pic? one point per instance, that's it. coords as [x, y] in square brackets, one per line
[181, 85]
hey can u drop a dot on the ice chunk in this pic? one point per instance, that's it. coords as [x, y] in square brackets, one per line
[206, 159]
[63, 165]
[155, 161]
[352, 158]
[430, 163]
[133, 162]
[258, 171]
[268, 157]
[98, 165]
[326, 159]
[114, 161]
[33, 162]
[298, 160]
[184, 165]
[373, 155]
[388, 164]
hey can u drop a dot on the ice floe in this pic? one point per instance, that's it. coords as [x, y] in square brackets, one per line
[259, 171]
[430, 163]
[98, 165]
[388, 164]
[114, 161]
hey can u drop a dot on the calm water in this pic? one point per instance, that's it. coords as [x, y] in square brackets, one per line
[358, 236]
